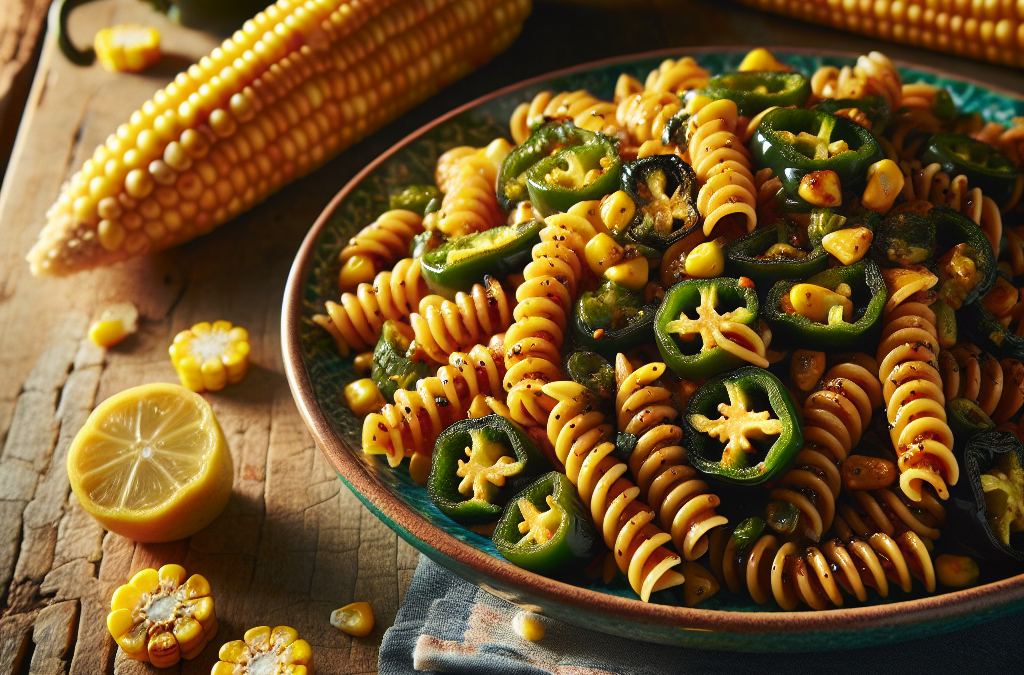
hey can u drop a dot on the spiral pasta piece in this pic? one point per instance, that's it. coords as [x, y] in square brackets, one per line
[413, 423]
[996, 386]
[835, 416]
[820, 577]
[585, 110]
[683, 502]
[356, 322]
[580, 439]
[545, 301]
[913, 392]
[889, 511]
[644, 117]
[873, 74]
[677, 76]
[722, 164]
[386, 239]
[467, 176]
[443, 327]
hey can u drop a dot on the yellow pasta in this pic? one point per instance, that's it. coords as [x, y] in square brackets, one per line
[585, 111]
[443, 326]
[385, 240]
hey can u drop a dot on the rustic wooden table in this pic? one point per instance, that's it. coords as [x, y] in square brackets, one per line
[292, 545]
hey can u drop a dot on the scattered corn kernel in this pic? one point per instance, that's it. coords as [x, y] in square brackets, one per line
[209, 356]
[816, 303]
[419, 466]
[127, 49]
[806, 368]
[355, 619]
[885, 182]
[848, 245]
[821, 188]
[631, 274]
[599, 333]
[705, 260]
[956, 571]
[161, 618]
[358, 269]
[745, 282]
[603, 253]
[761, 59]
[363, 397]
[363, 364]
[115, 324]
[528, 626]
[699, 584]
[265, 651]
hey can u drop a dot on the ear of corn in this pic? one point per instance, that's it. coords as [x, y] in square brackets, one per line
[990, 31]
[298, 83]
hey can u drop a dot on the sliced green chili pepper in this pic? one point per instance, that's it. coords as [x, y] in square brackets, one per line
[852, 326]
[613, 319]
[795, 142]
[426, 241]
[574, 174]
[965, 262]
[987, 333]
[664, 189]
[546, 528]
[421, 199]
[754, 91]
[593, 372]
[966, 420]
[478, 465]
[822, 222]
[875, 109]
[985, 166]
[396, 364]
[690, 313]
[770, 254]
[989, 505]
[742, 427]
[904, 239]
[464, 261]
[746, 534]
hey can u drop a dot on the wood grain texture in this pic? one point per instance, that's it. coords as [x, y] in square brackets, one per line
[21, 26]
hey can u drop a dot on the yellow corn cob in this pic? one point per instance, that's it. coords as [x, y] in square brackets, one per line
[298, 83]
[208, 357]
[992, 30]
[127, 49]
[280, 646]
[160, 617]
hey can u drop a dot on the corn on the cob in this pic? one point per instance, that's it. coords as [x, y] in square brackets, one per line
[299, 82]
[991, 31]
[262, 650]
[127, 49]
[160, 617]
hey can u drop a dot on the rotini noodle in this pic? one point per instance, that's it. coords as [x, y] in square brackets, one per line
[418, 416]
[677, 77]
[585, 111]
[835, 416]
[684, 503]
[873, 74]
[932, 184]
[644, 117]
[443, 326]
[386, 239]
[889, 511]
[356, 322]
[996, 386]
[545, 300]
[722, 165]
[580, 438]
[467, 176]
[912, 389]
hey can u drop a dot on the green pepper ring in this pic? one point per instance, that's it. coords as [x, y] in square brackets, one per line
[783, 89]
[445, 278]
[778, 458]
[548, 198]
[995, 175]
[741, 260]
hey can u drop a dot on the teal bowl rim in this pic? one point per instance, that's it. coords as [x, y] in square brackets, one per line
[990, 600]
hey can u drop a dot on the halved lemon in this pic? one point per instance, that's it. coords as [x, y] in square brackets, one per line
[151, 464]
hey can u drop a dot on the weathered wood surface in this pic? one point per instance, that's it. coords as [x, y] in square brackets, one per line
[292, 545]
[21, 27]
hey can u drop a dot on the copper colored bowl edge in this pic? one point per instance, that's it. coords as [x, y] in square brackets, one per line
[993, 598]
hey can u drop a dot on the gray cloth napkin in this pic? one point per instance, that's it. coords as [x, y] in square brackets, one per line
[447, 625]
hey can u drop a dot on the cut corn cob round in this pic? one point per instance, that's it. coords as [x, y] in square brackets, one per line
[208, 357]
[160, 617]
[298, 83]
[127, 49]
[262, 650]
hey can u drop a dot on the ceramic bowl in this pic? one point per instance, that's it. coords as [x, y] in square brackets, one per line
[317, 375]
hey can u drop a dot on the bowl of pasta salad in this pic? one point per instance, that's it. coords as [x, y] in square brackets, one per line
[718, 348]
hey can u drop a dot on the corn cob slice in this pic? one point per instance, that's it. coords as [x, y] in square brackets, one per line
[127, 49]
[297, 84]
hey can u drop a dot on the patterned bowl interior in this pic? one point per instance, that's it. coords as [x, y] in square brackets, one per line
[414, 163]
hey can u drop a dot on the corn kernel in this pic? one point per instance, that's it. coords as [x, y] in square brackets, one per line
[363, 397]
[363, 363]
[821, 188]
[603, 253]
[761, 59]
[115, 324]
[419, 467]
[705, 260]
[357, 270]
[528, 626]
[159, 617]
[617, 211]
[209, 357]
[817, 302]
[885, 182]
[848, 245]
[631, 274]
[956, 571]
[355, 619]
[263, 650]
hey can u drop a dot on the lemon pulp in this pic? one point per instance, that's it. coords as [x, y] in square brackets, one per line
[151, 463]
